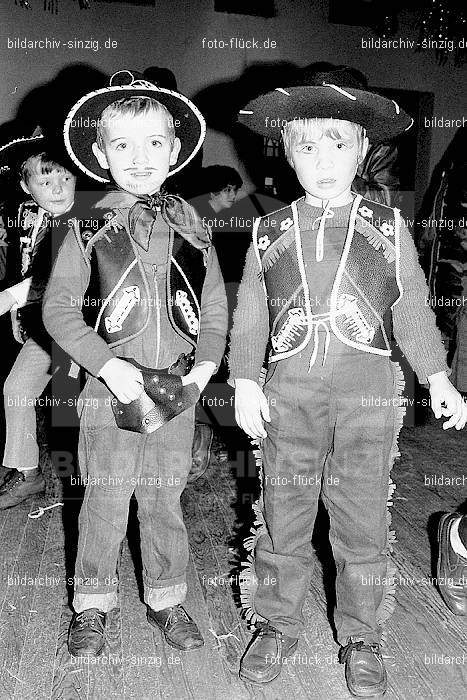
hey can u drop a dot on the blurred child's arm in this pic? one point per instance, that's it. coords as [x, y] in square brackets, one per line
[62, 315]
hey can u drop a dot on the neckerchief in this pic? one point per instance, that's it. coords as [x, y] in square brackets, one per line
[143, 210]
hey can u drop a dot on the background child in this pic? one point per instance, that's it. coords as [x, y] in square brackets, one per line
[157, 292]
[322, 282]
[52, 190]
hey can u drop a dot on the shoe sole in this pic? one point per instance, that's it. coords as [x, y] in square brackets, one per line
[30, 495]
[170, 642]
[243, 675]
[81, 655]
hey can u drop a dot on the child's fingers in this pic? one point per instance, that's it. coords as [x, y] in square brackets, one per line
[436, 407]
[265, 409]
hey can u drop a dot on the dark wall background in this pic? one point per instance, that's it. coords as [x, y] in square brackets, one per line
[171, 34]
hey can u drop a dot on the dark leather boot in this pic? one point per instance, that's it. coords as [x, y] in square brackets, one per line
[201, 452]
[18, 486]
[452, 568]
[178, 628]
[364, 669]
[263, 659]
[5, 473]
[86, 635]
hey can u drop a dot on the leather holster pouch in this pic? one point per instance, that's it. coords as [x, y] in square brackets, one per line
[163, 398]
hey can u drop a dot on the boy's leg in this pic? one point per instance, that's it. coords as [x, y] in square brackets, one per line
[355, 493]
[166, 463]
[299, 437]
[27, 380]
[109, 459]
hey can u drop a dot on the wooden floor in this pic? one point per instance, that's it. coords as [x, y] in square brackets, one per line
[423, 635]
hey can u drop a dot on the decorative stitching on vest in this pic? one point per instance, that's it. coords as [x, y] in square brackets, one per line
[182, 301]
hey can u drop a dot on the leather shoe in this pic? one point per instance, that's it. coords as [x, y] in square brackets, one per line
[451, 569]
[17, 487]
[263, 659]
[179, 630]
[364, 669]
[201, 451]
[5, 474]
[86, 635]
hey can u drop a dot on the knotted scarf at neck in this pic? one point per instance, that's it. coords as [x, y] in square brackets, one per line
[177, 214]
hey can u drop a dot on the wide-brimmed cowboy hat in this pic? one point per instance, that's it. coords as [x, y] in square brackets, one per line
[15, 152]
[325, 95]
[81, 122]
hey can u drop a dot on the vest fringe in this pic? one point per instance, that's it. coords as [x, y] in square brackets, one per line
[273, 254]
[388, 603]
[377, 242]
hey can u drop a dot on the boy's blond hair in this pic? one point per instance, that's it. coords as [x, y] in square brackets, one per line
[299, 130]
[41, 162]
[133, 107]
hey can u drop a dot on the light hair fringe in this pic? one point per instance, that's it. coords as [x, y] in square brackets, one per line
[134, 107]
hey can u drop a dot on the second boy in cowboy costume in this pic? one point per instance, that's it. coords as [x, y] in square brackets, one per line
[158, 290]
[322, 282]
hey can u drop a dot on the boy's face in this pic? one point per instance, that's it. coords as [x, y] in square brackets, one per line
[226, 197]
[138, 152]
[326, 166]
[53, 191]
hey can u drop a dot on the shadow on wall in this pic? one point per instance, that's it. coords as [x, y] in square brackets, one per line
[48, 105]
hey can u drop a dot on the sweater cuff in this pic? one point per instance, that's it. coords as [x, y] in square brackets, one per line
[211, 347]
[95, 357]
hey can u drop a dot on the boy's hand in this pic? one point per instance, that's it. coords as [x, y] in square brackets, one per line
[200, 374]
[124, 380]
[16, 327]
[446, 401]
[251, 408]
[6, 301]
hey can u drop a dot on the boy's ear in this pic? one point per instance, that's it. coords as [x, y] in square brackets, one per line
[24, 187]
[365, 147]
[100, 156]
[175, 151]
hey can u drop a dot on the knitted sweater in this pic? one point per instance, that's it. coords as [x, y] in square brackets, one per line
[414, 324]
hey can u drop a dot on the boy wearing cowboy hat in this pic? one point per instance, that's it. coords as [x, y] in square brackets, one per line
[324, 281]
[33, 229]
[153, 279]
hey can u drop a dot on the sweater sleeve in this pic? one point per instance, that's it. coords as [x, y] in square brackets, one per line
[414, 322]
[62, 309]
[250, 332]
[213, 326]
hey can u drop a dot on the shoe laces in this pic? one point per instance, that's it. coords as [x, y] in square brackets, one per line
[177, 614]
[345, 652]
[264, 629]
[92, 619]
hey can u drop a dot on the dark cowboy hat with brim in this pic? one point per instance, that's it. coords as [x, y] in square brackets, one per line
[328, 96]
[15, 152]
[83, 118]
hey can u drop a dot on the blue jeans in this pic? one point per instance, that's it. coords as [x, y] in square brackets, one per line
[115, 464]
[327, 437]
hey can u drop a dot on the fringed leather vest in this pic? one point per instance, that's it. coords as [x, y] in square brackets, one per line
[365, 288]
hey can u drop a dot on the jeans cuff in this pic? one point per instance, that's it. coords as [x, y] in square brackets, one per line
[102, 601]
[160, 598]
